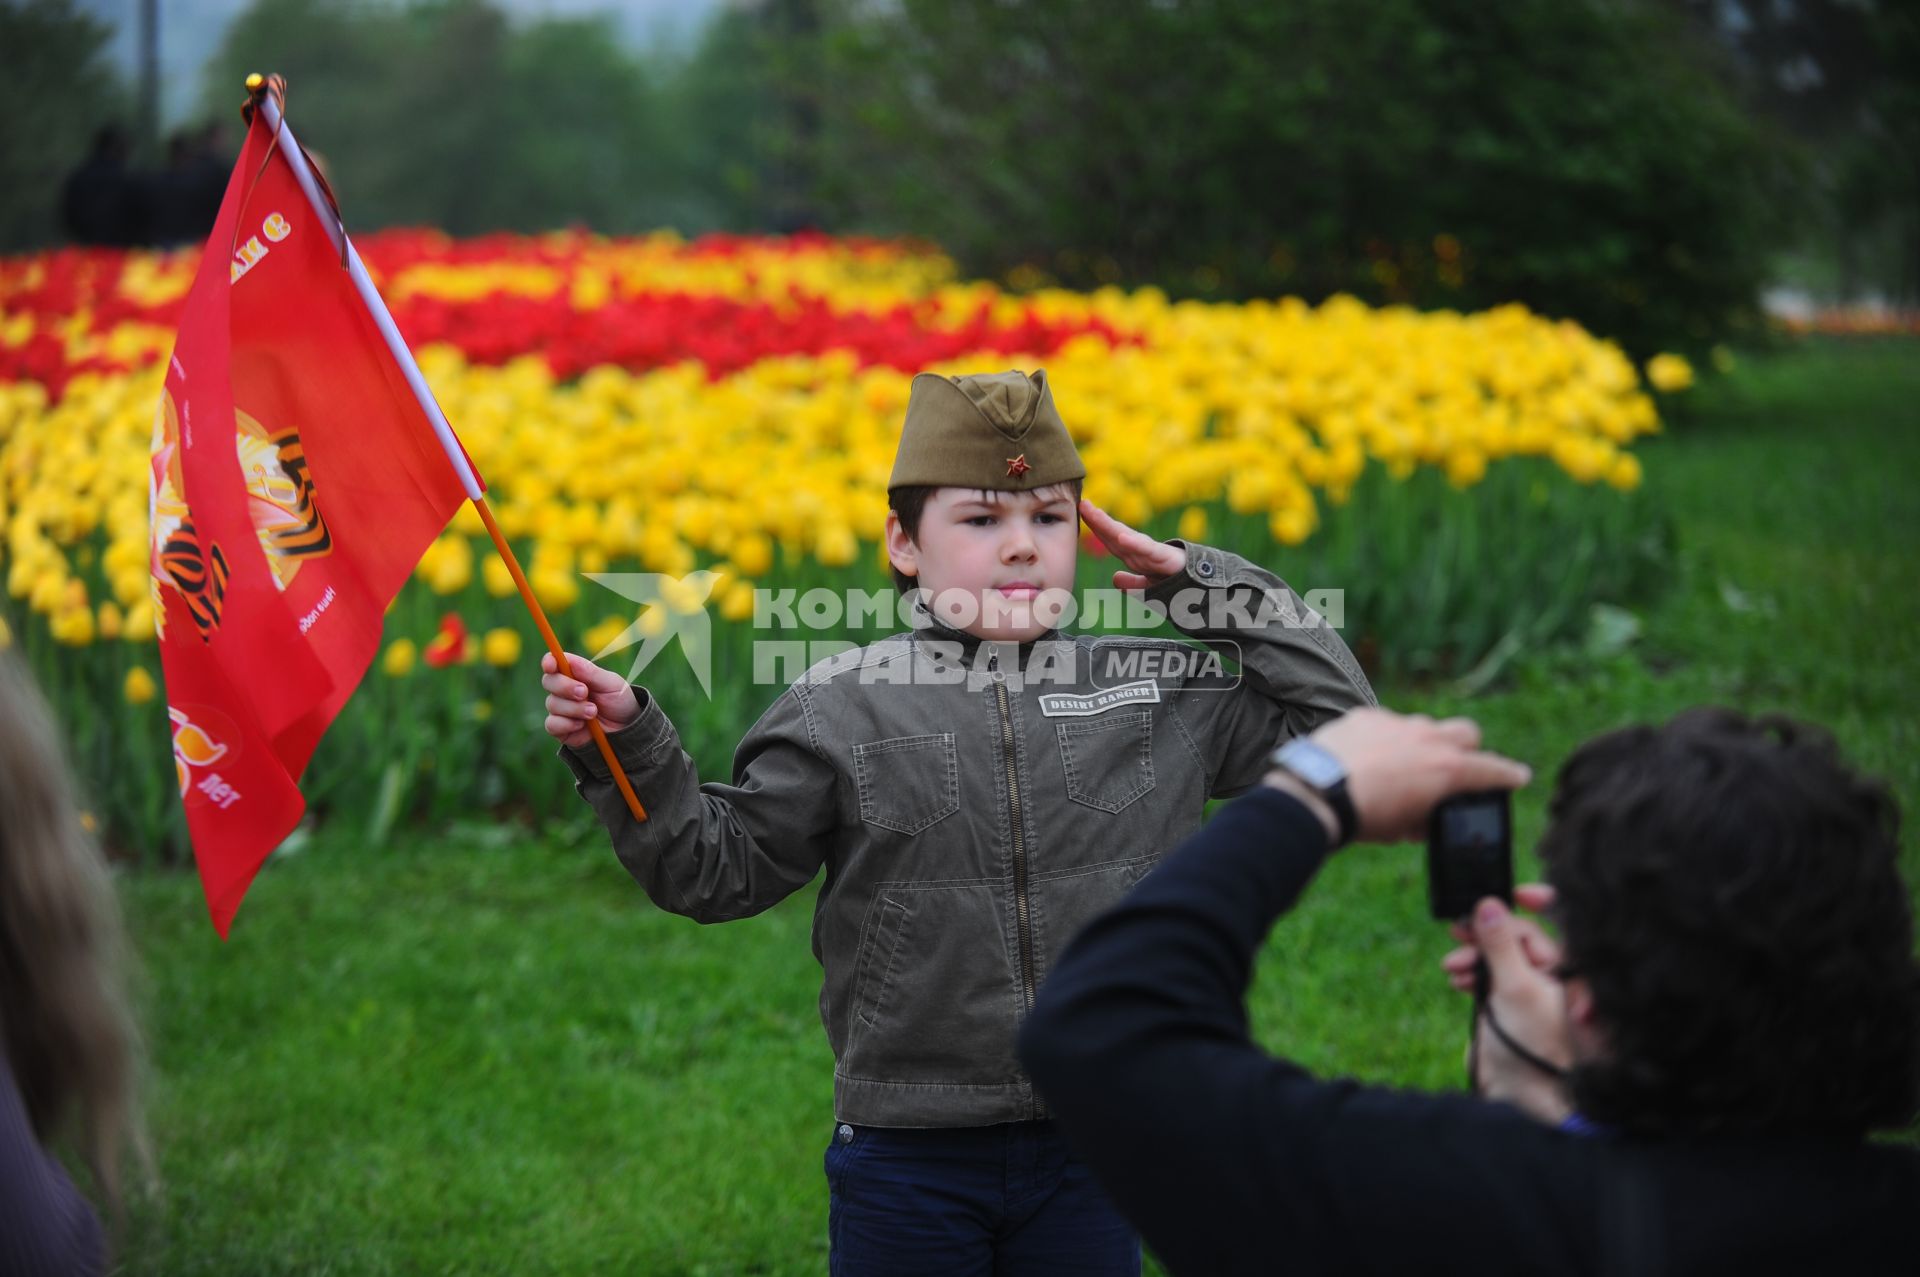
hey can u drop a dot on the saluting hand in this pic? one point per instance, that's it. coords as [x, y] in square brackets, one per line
[1146, 560]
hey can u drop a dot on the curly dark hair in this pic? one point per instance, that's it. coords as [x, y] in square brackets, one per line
[1730, 890]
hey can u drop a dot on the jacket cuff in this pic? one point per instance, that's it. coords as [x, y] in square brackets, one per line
[638, 745]
[1206, 568]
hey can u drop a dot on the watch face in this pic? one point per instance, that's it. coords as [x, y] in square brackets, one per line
[1312, 764]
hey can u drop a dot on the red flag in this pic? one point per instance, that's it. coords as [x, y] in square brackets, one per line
[295, 482]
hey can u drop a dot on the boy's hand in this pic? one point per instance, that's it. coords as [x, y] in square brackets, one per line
[588, 693]
[1147, 561]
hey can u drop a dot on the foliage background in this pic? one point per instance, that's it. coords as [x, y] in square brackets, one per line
[1641, 166]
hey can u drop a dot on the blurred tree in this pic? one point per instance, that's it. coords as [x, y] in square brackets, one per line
[1578, 155]
[55, 92]
[444, 114]
[581, 130]
[721, 124]
[1844, 77]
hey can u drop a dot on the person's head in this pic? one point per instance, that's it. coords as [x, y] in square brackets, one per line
[64, 1024]
[984, 503]
[111, 143]
[1738, 940]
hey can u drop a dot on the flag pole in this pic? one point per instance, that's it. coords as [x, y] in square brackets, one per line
[417, 382]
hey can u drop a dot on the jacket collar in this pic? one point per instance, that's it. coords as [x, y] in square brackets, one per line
[926, 626]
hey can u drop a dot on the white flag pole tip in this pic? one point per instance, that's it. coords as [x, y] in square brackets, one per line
[369, 295]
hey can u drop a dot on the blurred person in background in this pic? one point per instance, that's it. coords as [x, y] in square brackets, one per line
[186, 194]
[65, 1029]
[104, 202]
[1732, 1009]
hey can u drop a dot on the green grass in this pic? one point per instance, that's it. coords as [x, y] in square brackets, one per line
[477, 1054]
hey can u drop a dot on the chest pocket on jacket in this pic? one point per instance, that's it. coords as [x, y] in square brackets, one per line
[1108, 758]
[908, 782]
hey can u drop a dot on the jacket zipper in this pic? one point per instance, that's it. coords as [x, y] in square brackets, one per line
[1023, 920]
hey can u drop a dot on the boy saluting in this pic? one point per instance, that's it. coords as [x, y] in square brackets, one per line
[976, 788]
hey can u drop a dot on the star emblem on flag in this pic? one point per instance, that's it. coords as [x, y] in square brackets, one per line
[1017, 466]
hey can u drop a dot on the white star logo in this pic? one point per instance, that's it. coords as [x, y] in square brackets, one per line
[671, 606]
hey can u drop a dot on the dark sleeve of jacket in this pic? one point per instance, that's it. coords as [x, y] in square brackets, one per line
[46, 1226]
[1296, 673]
[717, 851]
[1229, 1160]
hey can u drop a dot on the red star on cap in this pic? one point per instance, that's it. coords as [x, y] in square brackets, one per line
[1017, 466]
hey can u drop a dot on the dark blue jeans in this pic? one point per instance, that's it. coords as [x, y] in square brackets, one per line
[987, 1200]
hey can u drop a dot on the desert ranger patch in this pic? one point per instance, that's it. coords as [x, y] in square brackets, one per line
[1070, 705]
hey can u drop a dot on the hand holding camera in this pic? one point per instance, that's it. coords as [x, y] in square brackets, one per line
[1402, 774]
[1397, 767]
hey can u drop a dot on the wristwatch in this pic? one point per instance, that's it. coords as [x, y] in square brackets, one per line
[1325, 775]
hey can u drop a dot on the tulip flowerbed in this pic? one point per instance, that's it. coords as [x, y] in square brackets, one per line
[651, 404]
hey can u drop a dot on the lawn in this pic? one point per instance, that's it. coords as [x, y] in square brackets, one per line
[483, 1051]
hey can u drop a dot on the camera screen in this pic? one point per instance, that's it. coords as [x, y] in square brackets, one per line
[1469, 854]
[1473, 825]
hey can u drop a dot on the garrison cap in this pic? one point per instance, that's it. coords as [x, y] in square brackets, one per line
[985, 430]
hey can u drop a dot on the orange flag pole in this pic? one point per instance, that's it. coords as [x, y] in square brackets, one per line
[265, 94]
[559, 655]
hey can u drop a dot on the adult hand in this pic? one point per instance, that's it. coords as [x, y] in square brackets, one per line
[1145, 560]
[1400, 765]
[1525, 996]
[1542, 950]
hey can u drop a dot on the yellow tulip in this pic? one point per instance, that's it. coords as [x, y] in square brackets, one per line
[837, 546]
[1464, 469]
[138, 625]
[601, 636]
[451, 569]
[501, 646]
[1193, 524]
[1624, 474]
[556, 590]
[48, 589]
[73, 626]
[466, 521]
[111, 620]
[682, 596]
[753, 555]
[495, 576]
[130, 585]
[1669, 374]
[139, 687]
[737, 603]
[400, 658]
[1290, 526]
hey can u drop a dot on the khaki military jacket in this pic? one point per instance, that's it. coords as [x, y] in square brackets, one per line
[972, 804]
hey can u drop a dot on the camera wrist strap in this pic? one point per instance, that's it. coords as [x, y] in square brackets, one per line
[1483, 1009]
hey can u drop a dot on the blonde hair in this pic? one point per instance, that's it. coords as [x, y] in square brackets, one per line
[65, 1024]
